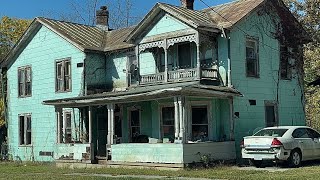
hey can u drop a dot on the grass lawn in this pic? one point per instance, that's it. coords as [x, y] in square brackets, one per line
[49, 171]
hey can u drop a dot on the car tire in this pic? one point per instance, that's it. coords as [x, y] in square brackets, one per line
[295, 158]
[256, 163]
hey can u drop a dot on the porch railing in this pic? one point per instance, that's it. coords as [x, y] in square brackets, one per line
[180, 75]
[152, 78]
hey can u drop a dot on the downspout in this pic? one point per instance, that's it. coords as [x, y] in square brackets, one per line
[229, 62]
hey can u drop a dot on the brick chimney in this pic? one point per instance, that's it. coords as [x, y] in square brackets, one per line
[102, 18]
[187, 4]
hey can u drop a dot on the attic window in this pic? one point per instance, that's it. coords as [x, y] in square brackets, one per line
[63, 75]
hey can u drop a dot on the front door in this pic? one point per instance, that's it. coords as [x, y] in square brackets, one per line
[134, 122]
[102, 131]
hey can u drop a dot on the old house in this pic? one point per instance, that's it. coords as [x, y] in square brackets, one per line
[180, 83]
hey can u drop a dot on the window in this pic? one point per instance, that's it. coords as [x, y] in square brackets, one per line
[285, 68]
[271, 132]
[252, 57]
[24, 81]
[271, 111]
[200, 125]
[25, 129]
[313, 133]
[301, 133]
[65, 128]
[134, 124]
[167, 128]
[63, 75]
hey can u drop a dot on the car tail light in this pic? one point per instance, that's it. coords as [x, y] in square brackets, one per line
[276, 142]
[242, 144]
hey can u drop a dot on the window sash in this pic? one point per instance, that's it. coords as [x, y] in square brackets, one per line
[67, 127]
[63, 75]
[24, 81]
[252, 60]
[25, 129]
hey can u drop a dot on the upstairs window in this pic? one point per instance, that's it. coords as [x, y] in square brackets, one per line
[24, 81]
[25, 129]
[252, 57]
[285, 67]
[63, 75]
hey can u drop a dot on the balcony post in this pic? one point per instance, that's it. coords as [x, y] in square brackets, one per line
[165, 60]
[137, 52]
[198, 55]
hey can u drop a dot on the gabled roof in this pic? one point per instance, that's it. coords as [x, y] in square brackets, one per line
[193, 18]
[226, 15]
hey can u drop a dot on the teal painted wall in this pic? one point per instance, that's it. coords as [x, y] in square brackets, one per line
[148, 64]
[95, 74]
[40, 54]
[116, 75]
[290, 108]
[166, 24]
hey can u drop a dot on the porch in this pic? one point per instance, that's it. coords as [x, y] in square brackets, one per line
[158, 126]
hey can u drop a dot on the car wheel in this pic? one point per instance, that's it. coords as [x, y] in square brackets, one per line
[255, 163]
[295, 159]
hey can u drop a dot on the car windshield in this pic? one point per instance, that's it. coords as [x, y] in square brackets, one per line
[271, 132]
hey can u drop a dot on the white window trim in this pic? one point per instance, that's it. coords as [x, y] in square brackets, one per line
[63, 61]
[256, 41]
[61, 133]
[163, 105]
[24, 68]
[189, 106]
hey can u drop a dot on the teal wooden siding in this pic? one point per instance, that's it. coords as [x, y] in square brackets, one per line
[166, 24]
[264, 88]
[41, 53]
[96, 74]
[116, 66]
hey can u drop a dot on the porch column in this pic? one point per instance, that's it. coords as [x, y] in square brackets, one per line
[59, 113]
[181, 118]
[165, 60]
[231, 119]
[198, 55]
[110, 123]
[138, 62]
[176, 118]
[90, 124]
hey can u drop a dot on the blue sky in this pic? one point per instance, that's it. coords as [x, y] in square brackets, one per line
[28, 9]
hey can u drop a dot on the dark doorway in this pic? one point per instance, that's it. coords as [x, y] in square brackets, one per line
[271, 114]
[102, 131]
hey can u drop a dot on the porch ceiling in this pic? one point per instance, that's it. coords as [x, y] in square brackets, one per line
[147, 93]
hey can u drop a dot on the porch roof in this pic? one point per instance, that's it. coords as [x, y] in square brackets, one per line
[147, 93]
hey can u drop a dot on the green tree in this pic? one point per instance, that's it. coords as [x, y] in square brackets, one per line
[308, 13]
[11, 30]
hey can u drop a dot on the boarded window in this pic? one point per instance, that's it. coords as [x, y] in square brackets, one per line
[252, 57]
[24, 81]
[25, 130]
[63, 75]
[168, 123]
[285, 68]
[200, 126]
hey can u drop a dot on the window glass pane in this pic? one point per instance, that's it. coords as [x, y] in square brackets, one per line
[251, 67]
[300, 133]
[168, 116]
[59, 70]
[68, 119]
[200, 133]
[199, 115]
[168, 132]
[135, 118]
[250, 53]
[28, 123]
[118, 126]
[67, 67]
[21, 132]
[28, 88]
[271, 132]
[28, 74]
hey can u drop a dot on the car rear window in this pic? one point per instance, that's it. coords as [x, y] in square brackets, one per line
[271, 132]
